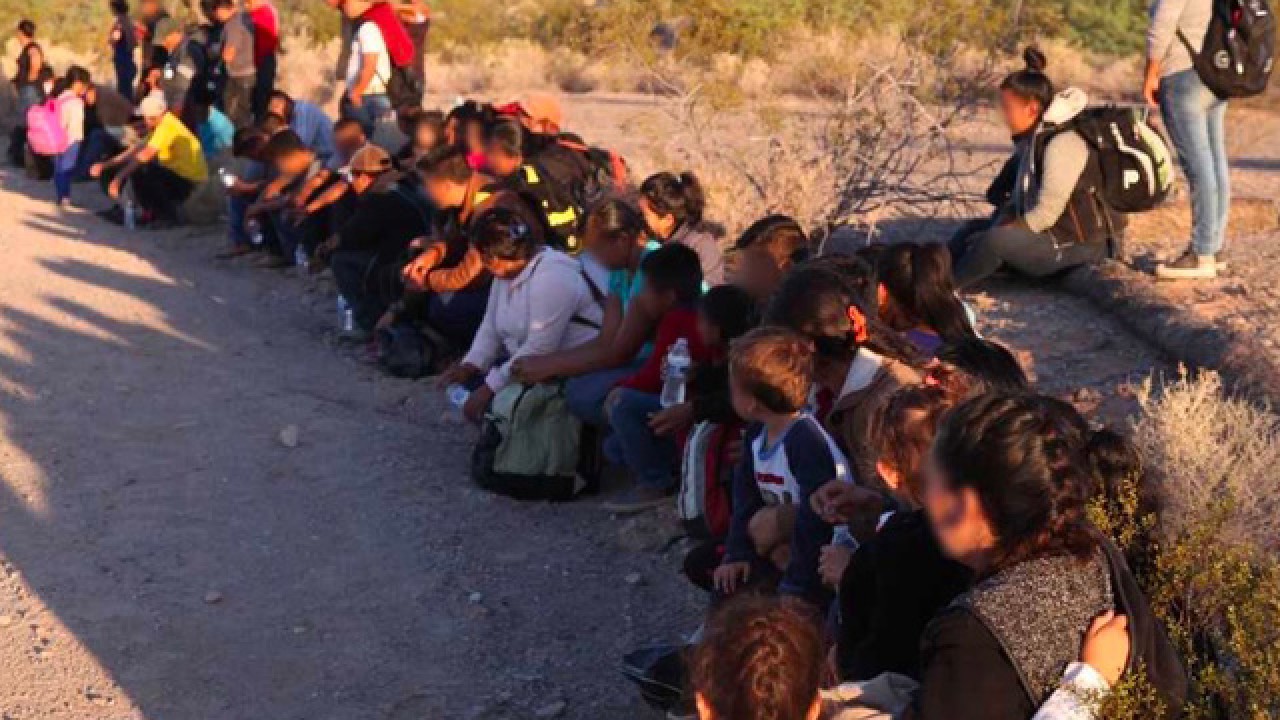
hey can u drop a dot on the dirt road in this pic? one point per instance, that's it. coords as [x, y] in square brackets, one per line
[164, 555]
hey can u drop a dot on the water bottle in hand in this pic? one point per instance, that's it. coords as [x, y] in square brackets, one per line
[675, 378]
[130, 214]
[346, 316]
[300, 257]
[254, 230]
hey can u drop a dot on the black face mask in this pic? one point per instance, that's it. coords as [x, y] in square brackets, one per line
[834, 348]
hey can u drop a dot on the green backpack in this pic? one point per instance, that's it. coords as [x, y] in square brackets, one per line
[529, 445]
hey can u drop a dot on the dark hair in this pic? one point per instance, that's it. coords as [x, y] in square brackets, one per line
[989, 365]
[468, 112]
[780, 236]
[219, 4]
[775, 366]
[283, 143]
[674, 268]
[505, 234]
[731, 310]
[904, 427]
[346, 124]
[76, 74]
[28, 28]
[248, 141]
[119, 7]
[508, 135]
[761, 659]
[918, 279]
[1025, 457]
[814, 300]
[680, 196]
[274, 124]
[615, 219]
[288, 103]
[1119, 479]
[1031, 83]
[447, 162]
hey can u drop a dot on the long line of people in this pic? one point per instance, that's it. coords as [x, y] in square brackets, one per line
[833, 430]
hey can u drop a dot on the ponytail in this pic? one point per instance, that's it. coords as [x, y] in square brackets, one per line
[680, 196]
[919, 281]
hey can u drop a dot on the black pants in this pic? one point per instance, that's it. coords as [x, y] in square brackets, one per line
[702, 560]
[418, 33]
[980, 250]
[370, 284]
[157, 189]
[264, 84]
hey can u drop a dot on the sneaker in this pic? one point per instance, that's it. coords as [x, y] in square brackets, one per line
[1189, 267]
[636, 500]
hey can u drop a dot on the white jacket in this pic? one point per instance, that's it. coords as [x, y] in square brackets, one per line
[546, 308]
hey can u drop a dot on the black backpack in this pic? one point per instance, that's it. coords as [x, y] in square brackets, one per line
[1134, 161]
[1239, 48]
[608, 174]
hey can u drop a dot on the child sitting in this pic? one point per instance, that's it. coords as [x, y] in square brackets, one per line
[786, 456]
[673, 284]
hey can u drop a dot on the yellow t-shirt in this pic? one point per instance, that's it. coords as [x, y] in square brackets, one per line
[177, 149]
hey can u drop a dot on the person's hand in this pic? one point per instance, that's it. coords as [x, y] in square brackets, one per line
[1151, 84]
[95, 170]
[673, 420]
[356, 99]
[417, 272]
[532, 370]
[113, 189]
[459, 373]
[477, 403]
[1106, 646]
[840, 502]
[730, 576]
[832, 562]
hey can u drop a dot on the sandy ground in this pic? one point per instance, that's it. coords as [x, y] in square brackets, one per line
[163, 555]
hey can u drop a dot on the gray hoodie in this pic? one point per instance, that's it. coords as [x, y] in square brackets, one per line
[1042, 194]
[1168, 18]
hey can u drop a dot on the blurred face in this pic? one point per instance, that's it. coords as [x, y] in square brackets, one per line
[150, 8]
[425, 137]
[612, 252]
[1020, 114]
[223, 13]
[444, 193]
[502, 163]
[277, 106]
[661, 226]
[354, 8]
[475, 137]
[957, 518]
[758, 273]
[505, 269]
[152, 122]
[348, 143]
[294, 163]
[709, 333]
[361, 182]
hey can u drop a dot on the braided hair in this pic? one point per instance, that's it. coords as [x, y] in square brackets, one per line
[1026, 457]
[761, 659]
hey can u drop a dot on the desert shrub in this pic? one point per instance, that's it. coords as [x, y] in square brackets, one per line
[1211, 574]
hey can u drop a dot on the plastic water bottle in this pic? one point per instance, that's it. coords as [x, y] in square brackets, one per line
[346, 315]
[227, 177]
[457, 395]
[130, 214]
[300, 256]
[676, 378]
[254, 229]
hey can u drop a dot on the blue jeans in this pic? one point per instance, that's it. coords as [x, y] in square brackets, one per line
[1196, 119]
[585, 394]
[64, 169]
[237, 233]
[373, 109]
[651, 458]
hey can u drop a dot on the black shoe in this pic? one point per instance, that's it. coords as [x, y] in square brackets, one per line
[113, 215]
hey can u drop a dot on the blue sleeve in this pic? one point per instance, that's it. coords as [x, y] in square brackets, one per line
[747, 501]
[809, 457]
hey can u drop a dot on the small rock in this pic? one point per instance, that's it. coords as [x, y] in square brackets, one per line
[550, 710]
[634, 578]
[476, 598]
[213, 597]
[289, 436]
[5, 621]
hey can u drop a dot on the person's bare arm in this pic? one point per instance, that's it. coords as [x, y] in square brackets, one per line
[309, 188]
[368, 67]
[607, 352]
[331, 195]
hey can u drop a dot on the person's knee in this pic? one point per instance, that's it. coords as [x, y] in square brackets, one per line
[766, 531]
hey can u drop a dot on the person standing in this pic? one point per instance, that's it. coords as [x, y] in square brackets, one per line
[368, 70]
[1196, 120]
[123, 40]
[70, 93]
[34, 76]
[266, 47]
[238, 58]
[416, 17]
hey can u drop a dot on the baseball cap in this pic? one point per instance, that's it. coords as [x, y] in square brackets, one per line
[370, 160]
[152, 106]
[166, 27]
[543, 106]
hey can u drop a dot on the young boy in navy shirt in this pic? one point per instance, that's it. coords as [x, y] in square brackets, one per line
[786, 456]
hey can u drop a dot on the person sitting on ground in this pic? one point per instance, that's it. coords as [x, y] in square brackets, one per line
[309, 121]
[917, 297]
[1048, 217]
[107, 117]
[293, 166]
[465, 129]
[425, 133]
[539, 302]
[368, 252]
[506, 160]
[766, 252]
[673, 285]
[616, 236]
[162, 172]
[69, 92]
[326, 194]
[787, 455]
[672, 206]
[248, 173]
[1005, 492]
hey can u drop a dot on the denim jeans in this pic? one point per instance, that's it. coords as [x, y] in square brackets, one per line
[373, 110]
[585, 394]
[1016, 247]
[1196, 119]
[237, 233]
[98, 144]
[64, 170]
[650, 457]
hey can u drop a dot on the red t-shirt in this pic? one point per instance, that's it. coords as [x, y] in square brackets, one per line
[266, 32]
[677, 323]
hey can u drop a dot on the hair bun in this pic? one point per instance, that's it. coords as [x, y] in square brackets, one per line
[1035, 59]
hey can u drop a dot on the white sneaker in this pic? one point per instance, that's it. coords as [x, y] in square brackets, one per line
[1189, 267]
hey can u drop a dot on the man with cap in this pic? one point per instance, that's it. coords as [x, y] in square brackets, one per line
[369, 251]
[162, 171]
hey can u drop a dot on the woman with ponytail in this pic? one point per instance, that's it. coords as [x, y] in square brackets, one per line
[672, 206]
[1047, 216]
[1005, 492]
[918, 299]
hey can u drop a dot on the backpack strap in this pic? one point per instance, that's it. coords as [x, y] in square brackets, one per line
[596, 294]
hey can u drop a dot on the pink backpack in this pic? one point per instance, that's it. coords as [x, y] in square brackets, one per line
[45, 133]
